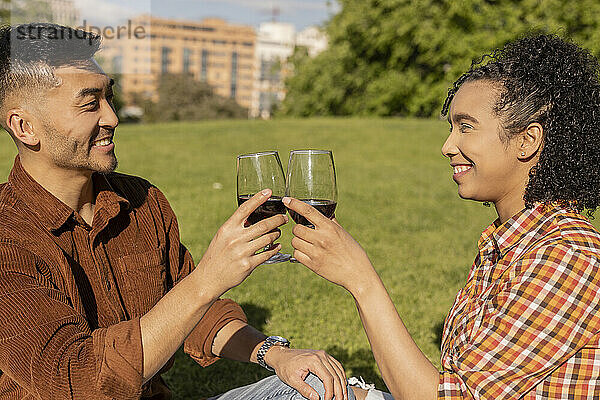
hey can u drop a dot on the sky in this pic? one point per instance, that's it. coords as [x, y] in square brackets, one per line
[301, 13]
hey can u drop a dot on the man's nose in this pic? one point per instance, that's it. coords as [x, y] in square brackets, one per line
[109, 117]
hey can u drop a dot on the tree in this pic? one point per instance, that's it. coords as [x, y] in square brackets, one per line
[181, 97]
[4, 12]
[25, 11]
[398, 57]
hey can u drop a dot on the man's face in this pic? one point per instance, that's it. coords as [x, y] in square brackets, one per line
[79, 121]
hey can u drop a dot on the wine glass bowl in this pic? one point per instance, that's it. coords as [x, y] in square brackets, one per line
[258, 171]
[311, 178]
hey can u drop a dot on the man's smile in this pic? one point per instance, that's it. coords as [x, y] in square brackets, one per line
[105, 141]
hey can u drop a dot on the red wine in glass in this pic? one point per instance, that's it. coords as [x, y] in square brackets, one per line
[311, 178]
[269, 208]
[325, 207]
[255, 172]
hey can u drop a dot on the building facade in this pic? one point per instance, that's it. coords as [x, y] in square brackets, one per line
[64, 12]
[275, 43]
[211, 50]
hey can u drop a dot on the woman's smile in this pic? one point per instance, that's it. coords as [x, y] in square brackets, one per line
[460, 170]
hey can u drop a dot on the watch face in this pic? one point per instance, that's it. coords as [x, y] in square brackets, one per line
[279, 339]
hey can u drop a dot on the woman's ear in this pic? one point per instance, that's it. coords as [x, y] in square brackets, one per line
[530, 141]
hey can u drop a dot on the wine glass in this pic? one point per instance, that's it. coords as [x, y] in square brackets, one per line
[311, 178]
[258, 171]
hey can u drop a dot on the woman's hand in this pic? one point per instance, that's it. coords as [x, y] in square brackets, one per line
[232, 254]
[328, 250]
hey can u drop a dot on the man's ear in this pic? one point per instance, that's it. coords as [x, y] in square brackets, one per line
[530, 141]
[20, 123]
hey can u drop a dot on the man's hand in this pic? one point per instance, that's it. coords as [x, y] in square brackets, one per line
[293, 366]
[232, 254]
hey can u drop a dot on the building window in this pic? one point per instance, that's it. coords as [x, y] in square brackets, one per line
[117, 64]
[269, 70]
[266, 103]
[187, 55]
[234, 67]
[165, 61]
[204, 62]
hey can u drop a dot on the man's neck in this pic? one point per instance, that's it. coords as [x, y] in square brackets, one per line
[73, 187]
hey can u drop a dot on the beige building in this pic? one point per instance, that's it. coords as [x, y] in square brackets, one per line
[211, 50]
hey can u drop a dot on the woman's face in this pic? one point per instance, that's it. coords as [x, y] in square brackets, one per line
[484, 167]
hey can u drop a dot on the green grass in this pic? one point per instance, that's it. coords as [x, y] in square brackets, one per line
[396, 197]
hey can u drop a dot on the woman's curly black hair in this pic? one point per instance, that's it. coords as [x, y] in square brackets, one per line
[551, 81]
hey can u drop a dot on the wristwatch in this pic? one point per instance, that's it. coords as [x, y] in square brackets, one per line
[270, 342]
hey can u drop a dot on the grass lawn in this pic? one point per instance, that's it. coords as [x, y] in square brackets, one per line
[396, 196]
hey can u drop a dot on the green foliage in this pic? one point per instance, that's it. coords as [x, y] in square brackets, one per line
[182, 98]
[4, 12]
[21, 12]
[398, 57]
[118, 102]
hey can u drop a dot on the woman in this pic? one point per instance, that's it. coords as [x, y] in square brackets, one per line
[525, 137]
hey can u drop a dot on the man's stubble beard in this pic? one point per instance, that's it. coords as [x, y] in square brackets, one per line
[66, 152]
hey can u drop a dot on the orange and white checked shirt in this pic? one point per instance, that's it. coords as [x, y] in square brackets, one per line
[527, 323]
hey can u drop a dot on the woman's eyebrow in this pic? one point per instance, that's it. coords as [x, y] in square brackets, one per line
[463, 117]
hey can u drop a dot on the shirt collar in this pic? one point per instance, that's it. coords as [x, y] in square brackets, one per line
[106, 197]
[49, 210]
[527, 221]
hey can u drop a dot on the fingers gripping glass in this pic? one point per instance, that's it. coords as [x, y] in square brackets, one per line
[258, 171]
[311, 178]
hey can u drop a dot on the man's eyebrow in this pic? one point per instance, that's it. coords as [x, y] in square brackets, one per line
[463, 117]
[87, 91]
[92, 91]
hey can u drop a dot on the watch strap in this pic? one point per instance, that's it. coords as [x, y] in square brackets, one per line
[268, 343]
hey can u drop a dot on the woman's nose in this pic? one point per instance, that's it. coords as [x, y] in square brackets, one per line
[449, 147]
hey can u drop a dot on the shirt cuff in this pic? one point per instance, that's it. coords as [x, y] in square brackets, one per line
[119, 348]
[199, 343]
[451, 387]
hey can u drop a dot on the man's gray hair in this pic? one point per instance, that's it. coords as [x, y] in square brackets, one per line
[29, 54]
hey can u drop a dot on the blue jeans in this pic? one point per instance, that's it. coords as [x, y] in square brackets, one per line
[272, 388]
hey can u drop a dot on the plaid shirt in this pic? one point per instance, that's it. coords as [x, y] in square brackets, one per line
[527, 323]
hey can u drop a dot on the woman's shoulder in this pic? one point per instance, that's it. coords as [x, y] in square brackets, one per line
[561, 238]
[577, 232]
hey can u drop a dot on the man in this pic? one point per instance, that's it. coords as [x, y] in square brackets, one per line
[96, 290]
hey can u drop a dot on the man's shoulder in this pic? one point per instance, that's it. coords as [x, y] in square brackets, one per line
[16, 226]
[8, 203]
[3, 192]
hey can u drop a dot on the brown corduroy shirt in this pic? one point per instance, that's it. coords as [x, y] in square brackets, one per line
[71, 295]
